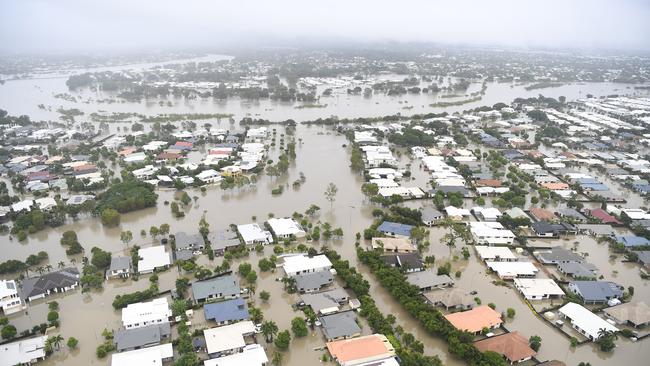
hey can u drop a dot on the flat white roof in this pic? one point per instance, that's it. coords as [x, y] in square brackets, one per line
[24, 351]
[151, 356]
[285, 226]
[300, 263]
[486, 252]
[143, 312]
[513, 269]
[153, 257]
[252, 355]
[252, 232]
[538, 287]
[228, 337]
[585, 319]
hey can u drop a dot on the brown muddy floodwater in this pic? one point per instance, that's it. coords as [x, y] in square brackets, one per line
[322, 159]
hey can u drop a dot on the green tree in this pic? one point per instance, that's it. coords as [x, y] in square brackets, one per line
[298, 327]
[510, 312]
[269, 330]
[330, 193]
[8, 331]
[126, 237]
[110, 217]
[535, 342]
[606, 340]
[265, 296]
[283, 340]
[72, 343]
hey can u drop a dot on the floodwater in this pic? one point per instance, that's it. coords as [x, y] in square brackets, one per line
[323, 159]
[22, 96]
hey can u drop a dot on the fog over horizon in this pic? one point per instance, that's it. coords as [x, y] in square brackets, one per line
[77, 26]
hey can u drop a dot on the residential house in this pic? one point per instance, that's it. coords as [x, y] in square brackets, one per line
[313, 281]
[301, 263]
[604, 217]
[226, 312]
[584, 321]
[594, 292]
[475, 320]
[153, 356]
[223, 240]
[120, 267]
[286, 228]
[430, 216]
[408, 262]
[512, 346]
[545, 229]
[142, 314]
[450, 299]
[394, 245]
[60, 281]
[578, 270]
[632, 241]
[325, 302]
[557, 255]
[23, 352]
[223, 287]
[341, 325]
[395, 229]
[489, 214]
[538, 288]
[490, 233]
[152, 258]
[10, 301]
[512, 270]
[427, 280]
[228, 339]
[366, 350]
[194, 243]
[495, 254]
[541, 214]
[635, 313]
[251, 355]
[253, 234]
[142, 337]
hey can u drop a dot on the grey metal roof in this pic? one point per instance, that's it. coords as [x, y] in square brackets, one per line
[223, 239]
[185, 241]
[578, 270]
[226, 285]
[120, 263]
[426, 279]
[597, 290]
[313, 279]
[325, 299]
[340, 325]
[139, 337]
[429, 214]
[558, 254]
[35, 286]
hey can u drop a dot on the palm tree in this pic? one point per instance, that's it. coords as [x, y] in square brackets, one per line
[269, 329]
[40, 269]
[61, 265]
[49, 267]
[57, 339]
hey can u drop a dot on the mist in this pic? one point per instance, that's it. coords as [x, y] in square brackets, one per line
[64, 26]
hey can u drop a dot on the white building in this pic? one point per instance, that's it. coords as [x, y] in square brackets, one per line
[496, 254]
[584, 321]
[152, 258]
[227, 339]
[141, 314]
[491, 233]
[22, 352]
[297, 264]
[10, 301]
[253, 234]
[512, 270]
[151, 356]
[490, 214]
[286, 228]
[209, 176]
[538, 288]
[251, 355]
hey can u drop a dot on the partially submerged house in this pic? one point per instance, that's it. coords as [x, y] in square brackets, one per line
[538, 288]
[142, 337]
[594, 292]
[313, 281]
[394, 245]
[228, 339]
[153, 258]
[341, 325]
[408, 262]
[253, 234]
[427, 280]
[301, 264]
[584, 321]
[44, 285]
[120, 268]
[325, 302]
[142, 314]
[490, 233]
[634, 313]
[23, 352]
[226, 312]
[223, 287]
[512, 346]
[450, 299]
[512, 270]
[366, 350]
[475, 320]
[250, 355]
[395, 229]
[10, 301]
[155, 355]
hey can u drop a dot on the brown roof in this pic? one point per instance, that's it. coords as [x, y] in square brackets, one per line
[488, 183]
[511, 345]
[541, 214]
[369, 348]
[476, 319]
[553, 186]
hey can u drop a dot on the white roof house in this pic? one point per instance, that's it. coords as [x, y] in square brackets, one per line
[152, 258]
[297, 264]
[491, 233]
[252, 355]
[141, 314]
[286, 227]
[25, 205]
[457, 213]
[584, 321]
[511, 270]
[151, 356]
[538, 288]
[24, 351]
[209, 176]
[45, 203]
[227, 338]
[487, 213]
[495, 253]
[10, 301]
[384, 183]
[253, 234]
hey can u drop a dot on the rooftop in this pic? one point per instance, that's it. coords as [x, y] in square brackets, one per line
[226, 311]
[356, 351]
[511, 345]
[476, 319]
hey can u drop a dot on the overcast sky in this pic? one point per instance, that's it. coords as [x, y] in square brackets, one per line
[56, 26]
